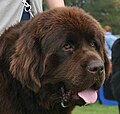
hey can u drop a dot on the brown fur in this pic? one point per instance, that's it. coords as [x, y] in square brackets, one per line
[36, 62]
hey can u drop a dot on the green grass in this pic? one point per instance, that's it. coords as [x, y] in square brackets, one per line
[96, 108]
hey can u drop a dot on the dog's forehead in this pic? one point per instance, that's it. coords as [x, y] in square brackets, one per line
[76, 19]
[71, 19]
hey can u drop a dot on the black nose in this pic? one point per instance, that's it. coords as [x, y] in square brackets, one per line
[95, 67]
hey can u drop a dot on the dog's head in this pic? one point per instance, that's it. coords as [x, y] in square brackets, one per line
[61, 56]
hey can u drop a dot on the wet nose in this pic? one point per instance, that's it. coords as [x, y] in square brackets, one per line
[95, 67]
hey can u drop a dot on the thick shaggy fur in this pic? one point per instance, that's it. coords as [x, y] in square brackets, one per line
[49, 59]
[115, 79]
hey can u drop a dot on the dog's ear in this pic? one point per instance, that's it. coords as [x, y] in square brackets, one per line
[106, 64]
[25, 63]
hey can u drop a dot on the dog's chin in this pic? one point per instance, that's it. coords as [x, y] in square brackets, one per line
[80, 95]
[72, 101]
[87, 96]
[70, 97]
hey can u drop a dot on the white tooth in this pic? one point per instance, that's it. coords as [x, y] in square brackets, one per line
[62, 104]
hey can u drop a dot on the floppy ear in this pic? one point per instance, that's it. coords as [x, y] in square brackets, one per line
[26, 62]
[106, 64]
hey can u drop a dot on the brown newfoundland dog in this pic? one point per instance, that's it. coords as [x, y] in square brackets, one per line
[51, 63]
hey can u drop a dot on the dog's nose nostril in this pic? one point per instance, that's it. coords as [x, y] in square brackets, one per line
[95, 67]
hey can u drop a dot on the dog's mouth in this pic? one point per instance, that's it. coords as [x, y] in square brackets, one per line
[84, 97]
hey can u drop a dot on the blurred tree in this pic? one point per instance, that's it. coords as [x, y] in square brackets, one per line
[78, 3]
[107, 12]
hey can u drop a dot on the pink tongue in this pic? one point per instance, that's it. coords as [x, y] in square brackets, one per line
[88, 95]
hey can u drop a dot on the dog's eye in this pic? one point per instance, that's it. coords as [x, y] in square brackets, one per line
[67, 47]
